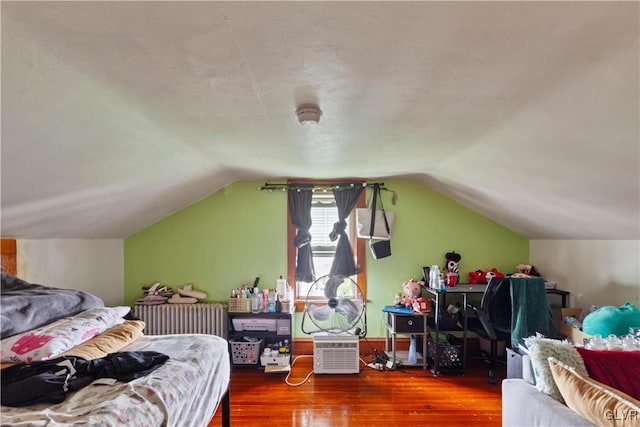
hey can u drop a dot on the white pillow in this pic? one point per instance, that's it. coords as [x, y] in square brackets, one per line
[50, 340]
[540, 350]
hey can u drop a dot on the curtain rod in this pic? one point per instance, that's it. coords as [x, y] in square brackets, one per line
[318, 187]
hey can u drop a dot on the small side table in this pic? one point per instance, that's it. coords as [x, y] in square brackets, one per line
[406, 324]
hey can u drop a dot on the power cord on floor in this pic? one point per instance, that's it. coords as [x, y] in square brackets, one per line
[293, 362]
[379, 361]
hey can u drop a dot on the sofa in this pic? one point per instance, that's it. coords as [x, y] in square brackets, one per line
[524, 405]
[563, 385]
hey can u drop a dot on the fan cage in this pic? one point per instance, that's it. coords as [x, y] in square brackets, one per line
[340, 310]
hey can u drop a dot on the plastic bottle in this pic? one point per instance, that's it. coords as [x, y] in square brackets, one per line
[256, 299]
[281, 287]
[413, 357]
[271, 307]
[265, 300]
[572, 321]
[435, 274]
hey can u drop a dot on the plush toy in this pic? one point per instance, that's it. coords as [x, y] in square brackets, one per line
[491, 274]
[421, 305]
[453, 259]
[526, 270]
[477, 277]
[412, 290]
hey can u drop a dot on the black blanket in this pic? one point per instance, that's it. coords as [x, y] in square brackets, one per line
[50, 380]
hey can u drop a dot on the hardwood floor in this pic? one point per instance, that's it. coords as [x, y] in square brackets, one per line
[407, 396]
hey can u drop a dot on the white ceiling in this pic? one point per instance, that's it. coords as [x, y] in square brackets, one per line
[117, 114]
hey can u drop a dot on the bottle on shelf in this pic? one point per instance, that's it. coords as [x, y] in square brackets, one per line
[278, 304]
[271, 307]
[281, 287]
[256, 300]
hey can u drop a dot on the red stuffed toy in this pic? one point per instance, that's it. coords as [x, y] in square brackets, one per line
[477, 277]
[480, 277]
[492, 273]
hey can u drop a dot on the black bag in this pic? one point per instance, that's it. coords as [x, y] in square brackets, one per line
[381, 248]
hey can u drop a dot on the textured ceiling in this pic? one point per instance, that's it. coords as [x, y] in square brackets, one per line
[117, 114]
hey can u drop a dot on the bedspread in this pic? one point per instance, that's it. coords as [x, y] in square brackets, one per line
[185, 391]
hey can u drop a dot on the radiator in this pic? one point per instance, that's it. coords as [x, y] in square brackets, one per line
[198, 318]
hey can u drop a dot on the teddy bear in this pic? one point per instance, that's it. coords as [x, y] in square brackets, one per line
[412, 290]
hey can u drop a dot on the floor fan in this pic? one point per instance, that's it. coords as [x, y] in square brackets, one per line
[336, 308]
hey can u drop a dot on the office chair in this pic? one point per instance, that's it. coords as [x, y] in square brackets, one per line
[493, 319]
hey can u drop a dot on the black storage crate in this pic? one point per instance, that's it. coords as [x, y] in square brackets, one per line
[450, 352]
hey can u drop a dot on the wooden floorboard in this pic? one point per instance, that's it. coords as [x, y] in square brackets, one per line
[407, 396]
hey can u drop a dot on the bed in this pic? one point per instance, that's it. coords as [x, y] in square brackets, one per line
[182, 389]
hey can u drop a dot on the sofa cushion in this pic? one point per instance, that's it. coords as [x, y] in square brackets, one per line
[540, 349]
[600, 404]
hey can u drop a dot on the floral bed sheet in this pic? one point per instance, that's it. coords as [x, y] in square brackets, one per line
[185, 391]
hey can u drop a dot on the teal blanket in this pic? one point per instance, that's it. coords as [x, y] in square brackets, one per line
[530, 310]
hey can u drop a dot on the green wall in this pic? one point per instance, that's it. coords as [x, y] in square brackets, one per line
[239, 233]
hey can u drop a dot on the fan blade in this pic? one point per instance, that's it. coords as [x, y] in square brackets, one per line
[321, 313]
[331, 286]
[348, 308]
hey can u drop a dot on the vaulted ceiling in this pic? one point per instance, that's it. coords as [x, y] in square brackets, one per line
[117, 114]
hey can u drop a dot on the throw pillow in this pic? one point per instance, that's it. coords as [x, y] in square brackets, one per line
[110, 341]
[615, 368]
[540, 349]
[50, 340]
[602, 405]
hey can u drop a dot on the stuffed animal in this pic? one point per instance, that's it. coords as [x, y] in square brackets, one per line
[453, 259]
[421, 305]
[477, 277]
[412, 290]
[491, 274]
[526, 270]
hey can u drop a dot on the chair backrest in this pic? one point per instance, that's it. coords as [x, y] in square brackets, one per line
[496, 303]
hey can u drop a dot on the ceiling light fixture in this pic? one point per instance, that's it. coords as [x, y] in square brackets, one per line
[308, 114]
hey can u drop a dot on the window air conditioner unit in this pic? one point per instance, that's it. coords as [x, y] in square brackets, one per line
[336, 353]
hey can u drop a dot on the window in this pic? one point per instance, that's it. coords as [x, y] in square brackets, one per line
[324, 214]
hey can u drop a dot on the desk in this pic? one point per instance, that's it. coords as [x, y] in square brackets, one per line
[563, 294]
[440, 298]
[463, 289]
